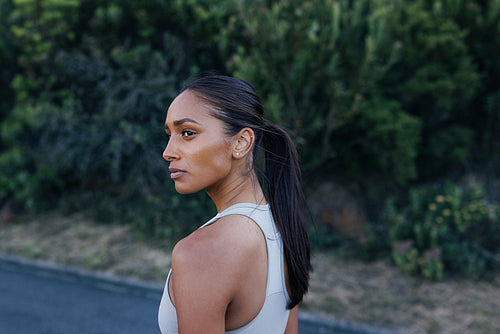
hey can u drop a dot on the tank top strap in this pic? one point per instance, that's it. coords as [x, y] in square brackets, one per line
[261, 214]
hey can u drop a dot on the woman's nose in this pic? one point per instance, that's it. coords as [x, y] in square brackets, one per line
[169, 154]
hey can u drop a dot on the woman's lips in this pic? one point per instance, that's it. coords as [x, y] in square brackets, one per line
[176, 173]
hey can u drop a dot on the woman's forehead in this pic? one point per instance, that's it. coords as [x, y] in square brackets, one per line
[187, 104]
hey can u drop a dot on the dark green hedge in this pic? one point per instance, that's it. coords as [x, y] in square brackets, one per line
[379, 94]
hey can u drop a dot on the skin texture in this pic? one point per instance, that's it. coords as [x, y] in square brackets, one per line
[219, 272]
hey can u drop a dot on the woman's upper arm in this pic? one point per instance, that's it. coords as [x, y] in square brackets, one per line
[292, 326]
[204, 280]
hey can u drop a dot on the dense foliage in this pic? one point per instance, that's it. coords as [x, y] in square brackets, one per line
[379, 95]
[445, 228]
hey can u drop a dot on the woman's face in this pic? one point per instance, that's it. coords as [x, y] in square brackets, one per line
[199, 152]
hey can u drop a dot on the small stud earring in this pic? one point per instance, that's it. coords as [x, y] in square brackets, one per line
[237, 154]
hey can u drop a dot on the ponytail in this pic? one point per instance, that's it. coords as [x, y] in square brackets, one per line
[285, 196]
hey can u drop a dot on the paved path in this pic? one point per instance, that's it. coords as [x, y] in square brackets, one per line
[45, 299]
[34, 303]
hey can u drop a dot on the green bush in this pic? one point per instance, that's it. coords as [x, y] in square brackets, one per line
[317, 65]
[446, 228]
[375, 94]
[479, 20]
[86, 131]
[382, 136]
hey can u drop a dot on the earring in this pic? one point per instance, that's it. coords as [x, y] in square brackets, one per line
[237, 154]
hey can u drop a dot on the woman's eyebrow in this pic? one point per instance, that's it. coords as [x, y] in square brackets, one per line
[185, 120]
[182, 121]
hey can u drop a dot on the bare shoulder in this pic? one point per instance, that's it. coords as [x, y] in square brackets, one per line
[219, 255]
[210, 267]
[229, 241]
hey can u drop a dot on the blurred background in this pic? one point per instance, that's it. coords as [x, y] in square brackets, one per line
[394, 106]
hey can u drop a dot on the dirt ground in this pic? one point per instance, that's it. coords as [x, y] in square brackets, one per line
[342, 288]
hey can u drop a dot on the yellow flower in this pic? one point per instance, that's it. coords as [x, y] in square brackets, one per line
[432, 206]
[439, 220]
[446, 212]
[440, 198]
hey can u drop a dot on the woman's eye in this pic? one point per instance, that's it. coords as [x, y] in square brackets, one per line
[187, 133]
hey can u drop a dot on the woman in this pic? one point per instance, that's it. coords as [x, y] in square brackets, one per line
[247, 268]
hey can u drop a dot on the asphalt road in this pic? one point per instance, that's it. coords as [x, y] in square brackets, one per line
[45, 299]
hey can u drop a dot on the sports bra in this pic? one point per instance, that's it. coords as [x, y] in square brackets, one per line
[273, 316]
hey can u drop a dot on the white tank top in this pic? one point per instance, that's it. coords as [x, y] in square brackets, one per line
[273, 316]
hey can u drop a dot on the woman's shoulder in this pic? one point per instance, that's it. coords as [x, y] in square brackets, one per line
[230, 237]
[220, 256]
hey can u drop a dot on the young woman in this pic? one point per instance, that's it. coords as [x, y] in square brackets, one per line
[247, 268]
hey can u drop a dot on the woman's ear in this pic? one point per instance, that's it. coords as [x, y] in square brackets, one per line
[243, 144]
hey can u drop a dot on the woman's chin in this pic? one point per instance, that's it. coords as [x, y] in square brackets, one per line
[185, 190]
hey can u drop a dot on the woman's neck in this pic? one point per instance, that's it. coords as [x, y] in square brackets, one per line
[244, 189]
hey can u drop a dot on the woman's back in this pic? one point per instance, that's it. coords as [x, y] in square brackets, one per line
[259, 304]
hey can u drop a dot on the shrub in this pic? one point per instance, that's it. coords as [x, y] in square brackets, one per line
[375, 93]
[444, 228]
[86, 129]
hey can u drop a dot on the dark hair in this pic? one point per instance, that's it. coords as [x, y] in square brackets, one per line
[236, 103]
